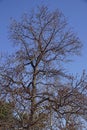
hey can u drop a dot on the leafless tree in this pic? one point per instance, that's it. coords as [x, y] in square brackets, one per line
[31, 77]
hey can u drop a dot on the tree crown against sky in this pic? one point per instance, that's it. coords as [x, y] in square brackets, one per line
[31, 76]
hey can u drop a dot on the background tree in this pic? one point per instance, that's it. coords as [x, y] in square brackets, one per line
[6, 115]
[33, 77]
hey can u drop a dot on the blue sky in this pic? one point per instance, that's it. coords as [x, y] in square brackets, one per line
[74, 10]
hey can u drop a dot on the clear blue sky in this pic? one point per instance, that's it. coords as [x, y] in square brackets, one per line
[74, 10]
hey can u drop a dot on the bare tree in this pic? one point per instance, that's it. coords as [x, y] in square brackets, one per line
[44, 43]
[70, 105]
